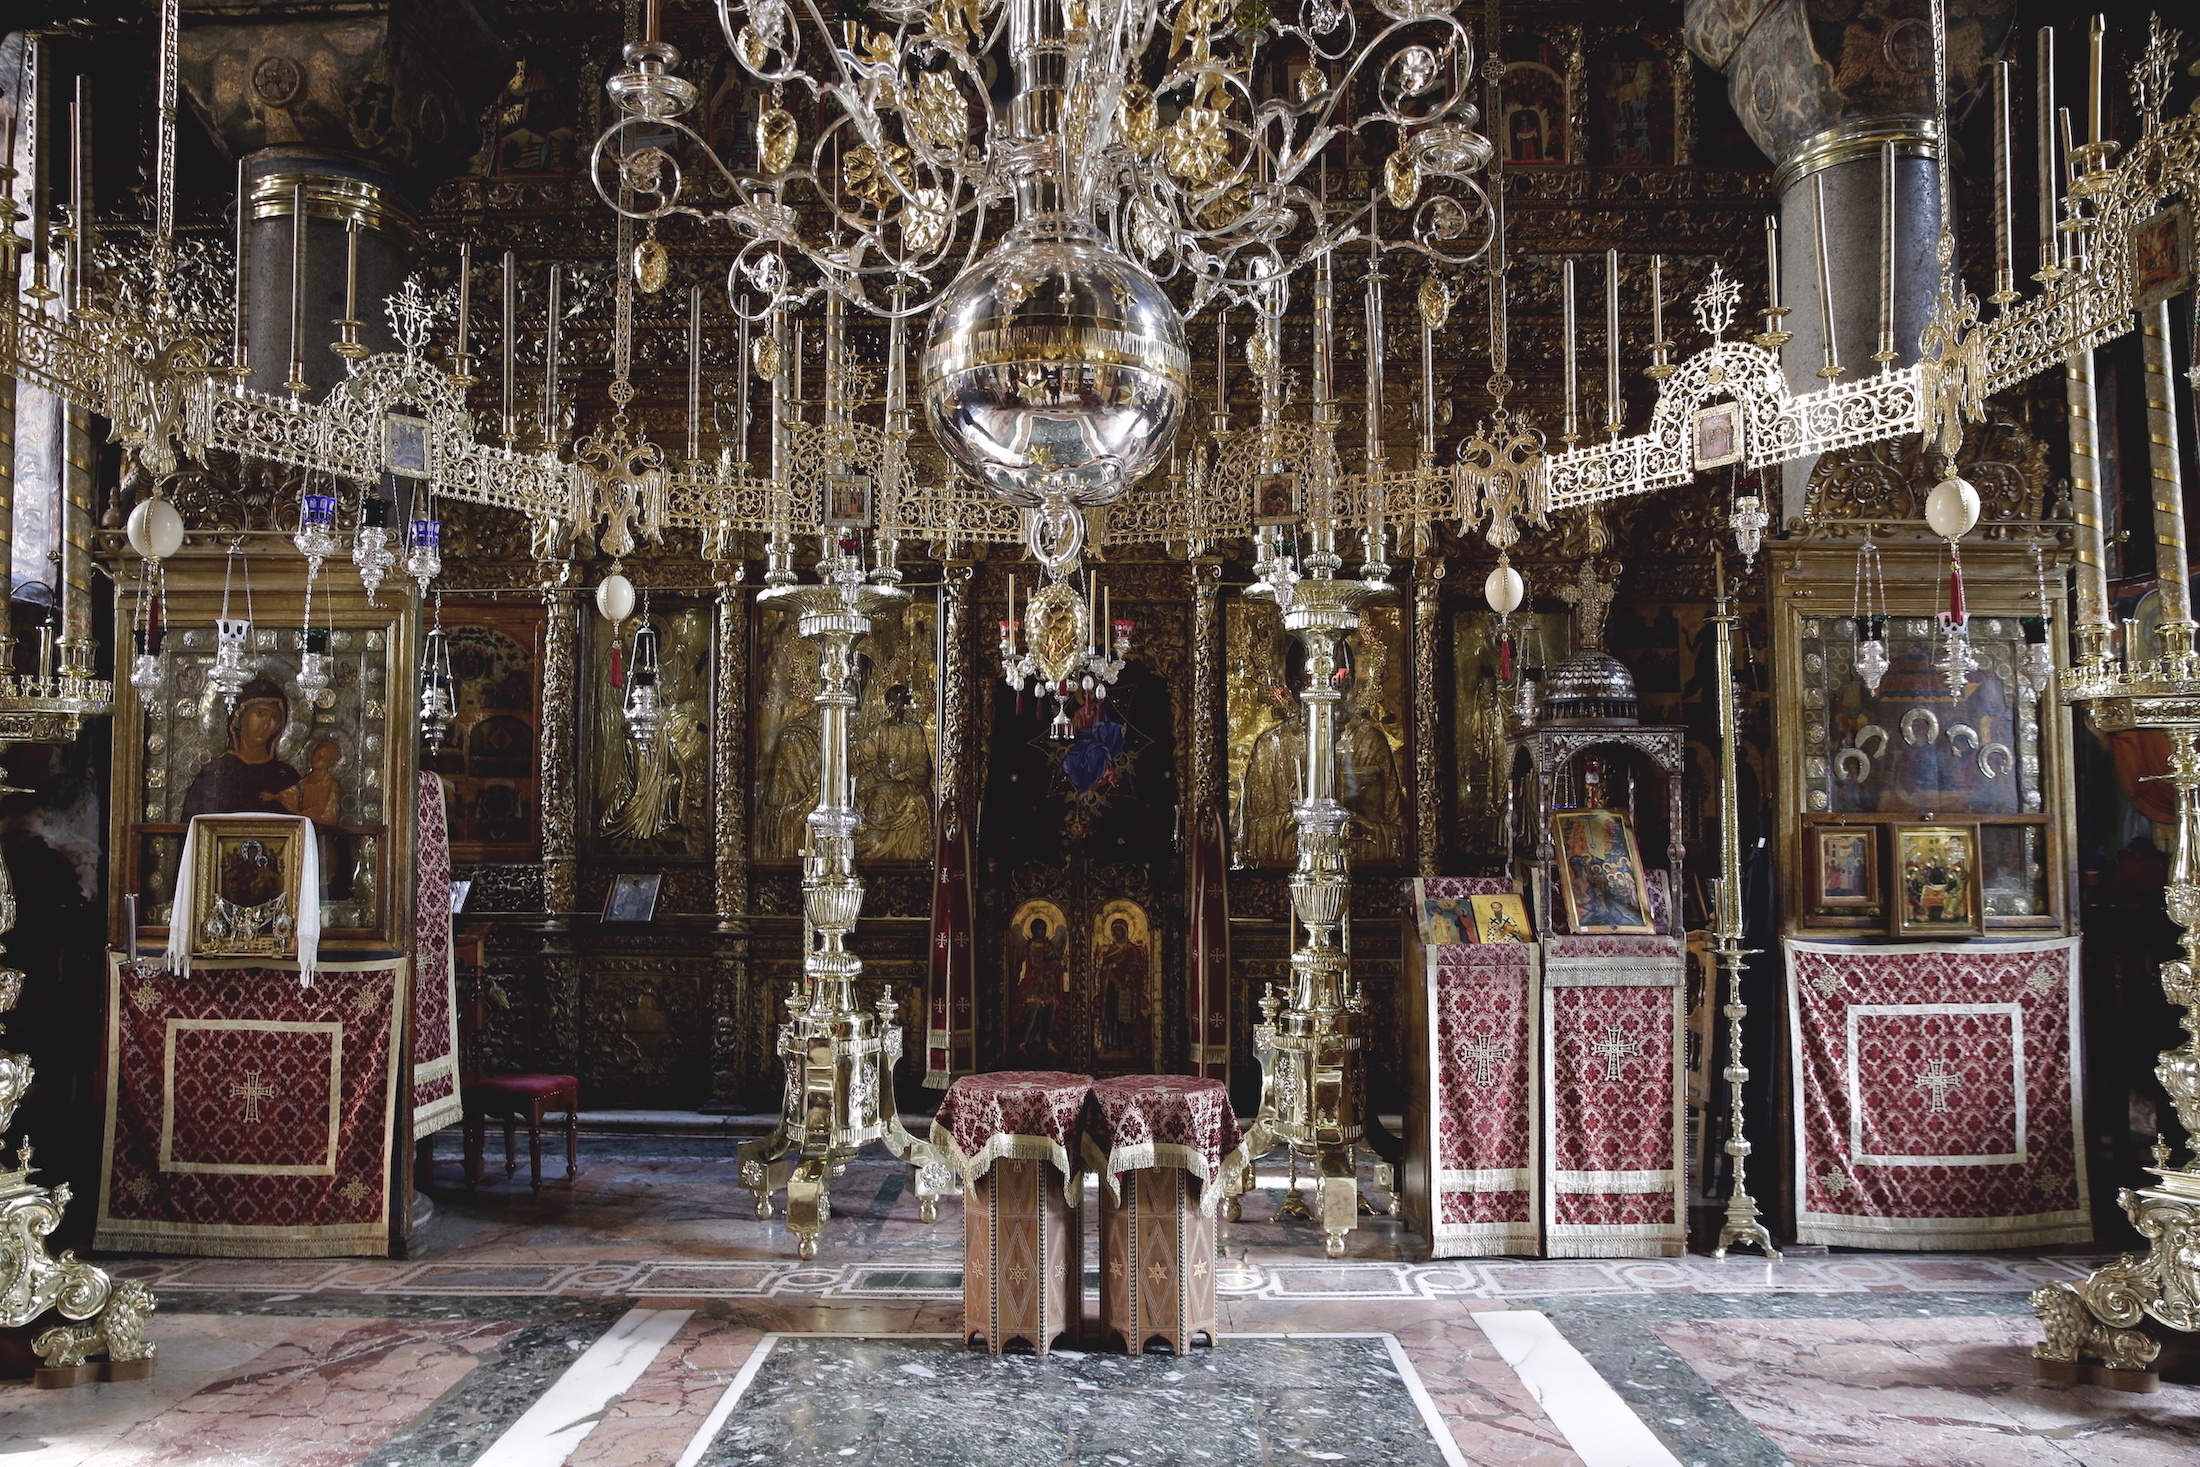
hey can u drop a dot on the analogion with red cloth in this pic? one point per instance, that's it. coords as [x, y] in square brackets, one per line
[1613, 1107]
[1938, 1099]
[247, 1114]
[1184, 1122]
[1030, 1114]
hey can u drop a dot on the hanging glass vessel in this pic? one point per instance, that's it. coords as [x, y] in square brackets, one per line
[230, 671]
[370, 546]
[316, 537]
[424, 551]
[314, 671]
[644, 713]
[1869, 598]
[438, 705]
[1748, 522]
[146, 672]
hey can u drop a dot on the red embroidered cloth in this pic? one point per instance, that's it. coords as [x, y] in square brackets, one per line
[1136, 1121]
[435, 1100]
[1482, 1109]
[1612, 1110]
[248, 1115]
[1032, 1114]
[1937, 1100]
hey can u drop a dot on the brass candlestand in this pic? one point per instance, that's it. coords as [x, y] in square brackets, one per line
[1312, 1086]
[839, 1055]
[1742, 1224]
[2103, 1317]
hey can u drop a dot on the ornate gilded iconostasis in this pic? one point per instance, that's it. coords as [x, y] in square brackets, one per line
[641, 789]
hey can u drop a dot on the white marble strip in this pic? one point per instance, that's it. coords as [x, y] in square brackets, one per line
[1603, 1429]
[566, 1413]
[1430, 1416]
[716, 1421]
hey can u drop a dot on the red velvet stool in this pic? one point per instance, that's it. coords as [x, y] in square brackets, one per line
[1013, 1136]
[508, 1098]
[1161, 1144]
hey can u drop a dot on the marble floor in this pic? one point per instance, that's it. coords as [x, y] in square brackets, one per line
[642, 1314]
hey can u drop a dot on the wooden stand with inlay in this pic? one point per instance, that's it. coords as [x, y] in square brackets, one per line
[1157, 1261]
[1023, 1257]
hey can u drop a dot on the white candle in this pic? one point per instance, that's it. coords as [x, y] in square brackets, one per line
[2044, 70]
[1566, 329]
[1611, 343]
[511, 289]
[2093, 78]
[465, 296]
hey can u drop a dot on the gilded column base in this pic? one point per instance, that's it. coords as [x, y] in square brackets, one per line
[2104, 1329]
[1310, 1103]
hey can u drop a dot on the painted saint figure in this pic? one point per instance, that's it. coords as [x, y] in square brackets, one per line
[894, 784]
[247, 778]
[1041, 980]
[1123, 966]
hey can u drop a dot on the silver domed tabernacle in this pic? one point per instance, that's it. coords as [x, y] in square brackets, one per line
[1590, 687]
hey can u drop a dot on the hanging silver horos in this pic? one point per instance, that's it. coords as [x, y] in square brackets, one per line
[1870, 611]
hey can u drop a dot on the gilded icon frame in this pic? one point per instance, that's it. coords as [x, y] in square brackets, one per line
[1913, 838]
[267, 848]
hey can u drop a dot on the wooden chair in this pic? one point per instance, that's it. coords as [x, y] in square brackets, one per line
[508, 1098]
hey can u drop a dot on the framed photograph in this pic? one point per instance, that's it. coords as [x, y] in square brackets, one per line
[1444, 920]
[460, 890]
[1600, 871]
[246, 879]
[633, 897]
[1936, 881]
[848, 501]
[405, 446]
[1842, 871]
[1501, 917]
[1276, 499]
[1718, 435]
[2161, 256]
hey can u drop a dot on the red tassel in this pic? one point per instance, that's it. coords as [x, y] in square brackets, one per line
[618, 667]
[1504, 659]
[1956, 613]
[155, 623]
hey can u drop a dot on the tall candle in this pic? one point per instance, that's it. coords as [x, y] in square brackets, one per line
[351, 272]
[465, 298]
[2004, 205]
[79, 201]
[1657, 304]
[1772, 262]
[1375, 451]
[1428, 395]
[240, 350]
[2049, 184]
[2093, 37]
[695, 373]
[1886, 353]
[297, 382]
[1832, 367]
[1611, 343]
[741, 399]
[1566, 330]
[511, 298]
[550, 356]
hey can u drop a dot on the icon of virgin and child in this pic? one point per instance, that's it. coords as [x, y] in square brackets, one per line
[250, 778]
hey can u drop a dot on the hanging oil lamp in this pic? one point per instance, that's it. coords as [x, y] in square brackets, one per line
[231, 671]
[2039, 657]
[1869, 607]
[370, 546]
[644, 713]
[155, 532]
[316, 536]
[1951, 510]
[438, 704]
[1748, 519]
[424, 548]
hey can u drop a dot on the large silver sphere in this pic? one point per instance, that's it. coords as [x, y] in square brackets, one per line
[1056, 369]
